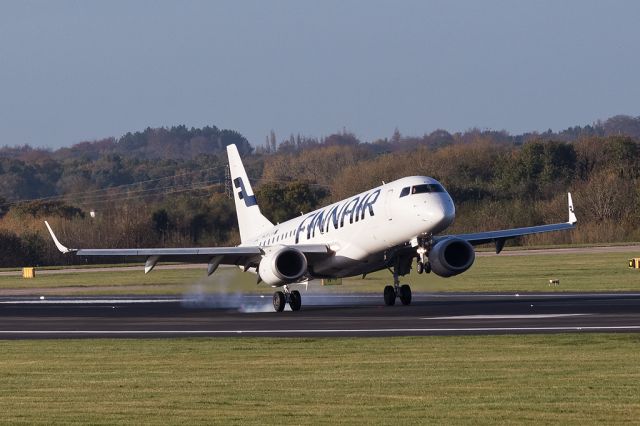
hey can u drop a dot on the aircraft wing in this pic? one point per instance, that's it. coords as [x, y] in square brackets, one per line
[245, 256]
[499, 237]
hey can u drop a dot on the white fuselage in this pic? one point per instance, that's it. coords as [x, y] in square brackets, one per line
[360, 229]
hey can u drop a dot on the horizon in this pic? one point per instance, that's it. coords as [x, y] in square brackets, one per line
[281, 139]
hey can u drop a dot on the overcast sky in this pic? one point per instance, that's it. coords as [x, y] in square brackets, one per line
[83, 70]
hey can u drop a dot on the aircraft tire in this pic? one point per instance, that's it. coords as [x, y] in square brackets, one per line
[420, 267]
[279, 301]
[295, 300]
[389, 296]
[405, 294]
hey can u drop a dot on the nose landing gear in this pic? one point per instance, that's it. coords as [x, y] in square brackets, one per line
[423, 266]
[422, 251]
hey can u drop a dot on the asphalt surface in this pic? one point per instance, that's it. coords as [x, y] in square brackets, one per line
[321, 315]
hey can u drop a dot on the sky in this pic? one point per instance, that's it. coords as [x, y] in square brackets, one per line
[73, 71]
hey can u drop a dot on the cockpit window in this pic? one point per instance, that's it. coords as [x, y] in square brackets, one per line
[426, 188]
[405, 191]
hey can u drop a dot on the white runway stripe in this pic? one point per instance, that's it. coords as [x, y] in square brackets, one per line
[308, 296]
[318, 331]
[87, 301]
[492, 317]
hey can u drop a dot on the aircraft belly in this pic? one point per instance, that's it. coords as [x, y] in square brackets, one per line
[341, 266]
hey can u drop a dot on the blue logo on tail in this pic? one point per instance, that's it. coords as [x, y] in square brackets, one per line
[249, 200]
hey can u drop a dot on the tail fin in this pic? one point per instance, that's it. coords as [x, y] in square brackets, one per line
[250, 221]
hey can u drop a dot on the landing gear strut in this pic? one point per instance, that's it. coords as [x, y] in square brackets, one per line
[397, 291]
[281, 298]
[424, 245]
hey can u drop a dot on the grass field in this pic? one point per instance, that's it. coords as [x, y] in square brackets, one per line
[576, 272]
[541, 379]
[530, 379]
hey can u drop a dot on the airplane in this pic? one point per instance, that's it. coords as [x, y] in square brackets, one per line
[386, 227]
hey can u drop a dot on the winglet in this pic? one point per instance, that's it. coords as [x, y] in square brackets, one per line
[572, 216]
[60, 247]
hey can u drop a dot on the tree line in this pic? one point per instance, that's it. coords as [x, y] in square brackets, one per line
[122, 193]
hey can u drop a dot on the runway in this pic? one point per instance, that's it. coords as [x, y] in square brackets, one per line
[321, 315]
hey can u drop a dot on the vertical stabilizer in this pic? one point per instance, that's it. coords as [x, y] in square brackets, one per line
[250, 221]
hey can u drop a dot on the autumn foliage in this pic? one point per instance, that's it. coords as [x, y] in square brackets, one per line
[168, 187]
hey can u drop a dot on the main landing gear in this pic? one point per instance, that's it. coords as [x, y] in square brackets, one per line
[281, 298]
[403, 292]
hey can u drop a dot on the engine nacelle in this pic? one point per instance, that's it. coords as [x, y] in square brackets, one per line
[282, 266]
[451, 256]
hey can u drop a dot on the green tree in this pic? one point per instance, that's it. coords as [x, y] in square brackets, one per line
[281, 202]
[47, 209]
[161, 222]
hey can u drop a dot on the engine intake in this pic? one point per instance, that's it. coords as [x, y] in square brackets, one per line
[451, 256]
[285, 265]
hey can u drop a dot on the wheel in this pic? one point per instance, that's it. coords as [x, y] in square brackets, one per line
[295, 300]
[420, 267]
[278, 301]
[405, 294]
[427, 268]
[389, 296]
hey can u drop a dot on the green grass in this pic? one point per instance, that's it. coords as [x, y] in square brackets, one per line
[576, 272]
[541, 379]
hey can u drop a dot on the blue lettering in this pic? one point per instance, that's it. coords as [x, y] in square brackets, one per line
[318, 222]
[369, 202]
[335, 215]
[359, 207]
[355, 208]
[349, 208]
[300, 229]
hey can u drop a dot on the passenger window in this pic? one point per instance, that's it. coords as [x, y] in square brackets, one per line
[404, 192]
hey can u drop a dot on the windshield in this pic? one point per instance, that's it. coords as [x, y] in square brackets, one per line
[421, 189]
[427, 187]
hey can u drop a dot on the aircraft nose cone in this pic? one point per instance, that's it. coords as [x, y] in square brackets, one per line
[444, 213]
[448, 212]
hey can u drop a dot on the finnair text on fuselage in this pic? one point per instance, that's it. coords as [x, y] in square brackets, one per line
[336, 216]
[355, 209]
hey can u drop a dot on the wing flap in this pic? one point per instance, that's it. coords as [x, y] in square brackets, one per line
[247, 256]
[187, 251]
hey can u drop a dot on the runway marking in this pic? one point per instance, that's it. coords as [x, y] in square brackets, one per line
[205, 298]
[89, 301]
[490, 317]
[310, 296]
[316, 331]
[521, 295]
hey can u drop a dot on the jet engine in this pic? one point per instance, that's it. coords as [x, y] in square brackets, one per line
[451, 256]
[282, 266]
